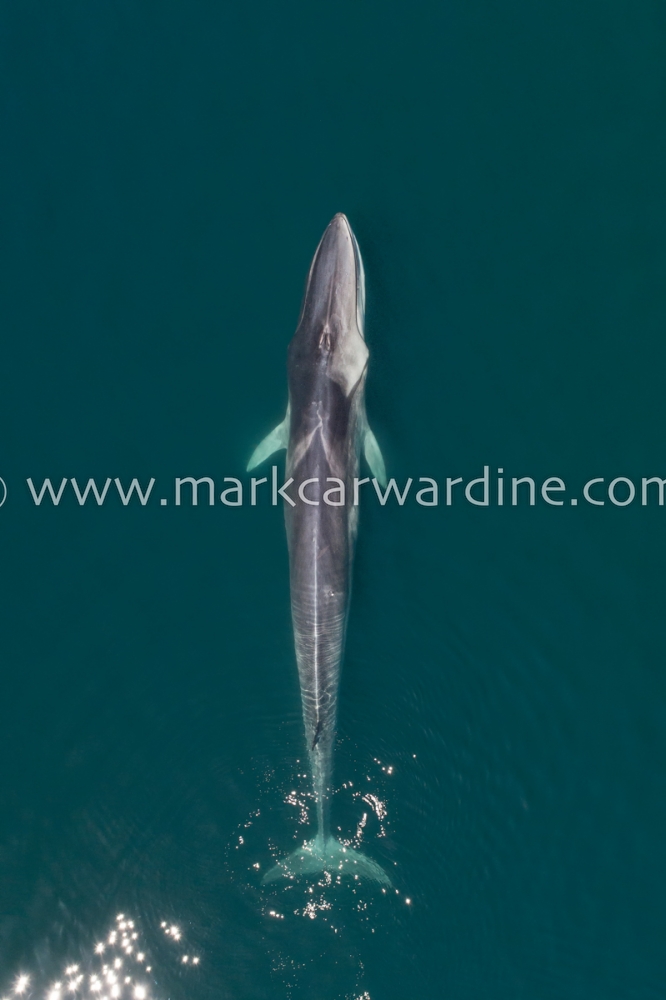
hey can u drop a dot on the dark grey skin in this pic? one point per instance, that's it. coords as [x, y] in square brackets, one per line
[324, 438]
[324, 431]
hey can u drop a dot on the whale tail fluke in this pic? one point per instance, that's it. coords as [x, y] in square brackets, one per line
[318, 856]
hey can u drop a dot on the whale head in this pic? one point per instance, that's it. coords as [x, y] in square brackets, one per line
[330, 331]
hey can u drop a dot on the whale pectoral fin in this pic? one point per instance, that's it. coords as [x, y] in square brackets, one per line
[277, 439]
[373, 457]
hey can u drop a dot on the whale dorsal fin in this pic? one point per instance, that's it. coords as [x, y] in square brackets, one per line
[277, 439]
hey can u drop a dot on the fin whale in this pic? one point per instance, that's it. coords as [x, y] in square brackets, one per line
[324, 431]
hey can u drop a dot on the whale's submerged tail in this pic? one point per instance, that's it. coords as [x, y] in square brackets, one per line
[327, 855]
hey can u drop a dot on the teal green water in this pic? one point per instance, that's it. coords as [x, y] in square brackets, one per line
[166, 173]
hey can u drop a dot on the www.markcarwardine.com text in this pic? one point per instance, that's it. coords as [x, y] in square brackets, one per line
[489, 489]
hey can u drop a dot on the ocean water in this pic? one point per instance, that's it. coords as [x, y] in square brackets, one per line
[167, 171]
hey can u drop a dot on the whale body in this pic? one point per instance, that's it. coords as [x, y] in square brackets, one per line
[324, 431]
